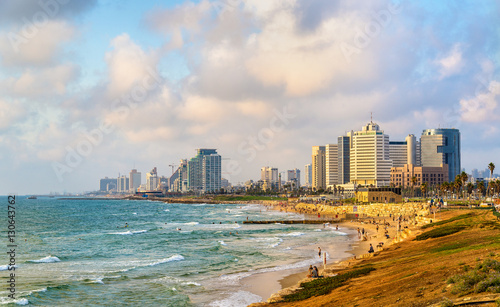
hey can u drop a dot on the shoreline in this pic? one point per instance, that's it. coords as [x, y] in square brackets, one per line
[272, 285]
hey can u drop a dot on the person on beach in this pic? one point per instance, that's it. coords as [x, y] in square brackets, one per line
[359, 233]
[371, 249]
[310, 271]
[319, 252]
[315, 272]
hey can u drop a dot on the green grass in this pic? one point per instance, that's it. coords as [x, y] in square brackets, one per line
[456, 218]
[440, 232]
[324, 286]
[248, 198]
[484, 278]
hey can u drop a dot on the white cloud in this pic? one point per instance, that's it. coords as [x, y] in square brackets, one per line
[39, 83]
[42, 46]
[452, 63]
[484, 107]
[128, 65]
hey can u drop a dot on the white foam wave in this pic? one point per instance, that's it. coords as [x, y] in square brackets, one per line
[176, 257]
[292, 234]
[192, 223]
[238, 299]
[6, 267]
[317, 229]
[48, 259]
[222, 243]
[135, 213]
[172, 258]
[166, 210]
[98, 281]
[126, 233]
[191, 283]
[22, 301]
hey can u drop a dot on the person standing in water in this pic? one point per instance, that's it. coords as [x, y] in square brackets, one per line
[319, 252]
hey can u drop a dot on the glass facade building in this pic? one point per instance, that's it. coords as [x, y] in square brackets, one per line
[441, 146]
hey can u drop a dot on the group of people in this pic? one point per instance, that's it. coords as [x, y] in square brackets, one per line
[313, 272]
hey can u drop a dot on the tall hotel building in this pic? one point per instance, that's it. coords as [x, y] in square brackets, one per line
[439, 147]
[269, 174]
[343, 159]
[370, 163]
[331, 164]
[152, 180]
[122, 184]
[318, 167]
[204, 171]
[407, 152]
[308, 174]
[134, 180]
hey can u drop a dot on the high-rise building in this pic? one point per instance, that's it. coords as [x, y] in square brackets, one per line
[332, 164]
[134, 180]
[152, 180]
[398, 153]
[204, 171]
[122, 184]
[318, 167]
[294, 178]
[308, 174]
[370, 162]
[107, 184]
[411, 151]
[441, 146]
[270, 174]
[344, 152]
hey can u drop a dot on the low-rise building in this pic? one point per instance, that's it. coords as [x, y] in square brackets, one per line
[379, 195]
[402, 176]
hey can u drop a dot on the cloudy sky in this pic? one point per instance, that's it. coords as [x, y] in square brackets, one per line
[95, 88]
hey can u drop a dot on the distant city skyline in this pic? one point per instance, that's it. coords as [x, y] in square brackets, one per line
[93, 89]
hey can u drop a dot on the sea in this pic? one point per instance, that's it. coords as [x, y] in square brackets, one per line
[91, 252]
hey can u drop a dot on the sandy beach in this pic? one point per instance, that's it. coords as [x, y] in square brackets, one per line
[269, 283]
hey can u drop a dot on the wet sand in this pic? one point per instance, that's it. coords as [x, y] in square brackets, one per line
[266, 284]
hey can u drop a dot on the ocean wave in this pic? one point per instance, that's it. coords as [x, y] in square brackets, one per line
[48, 259]
[240, 298]
[191, 283]
[166, 210]
[128, 232]
[317, 229]
[222, 243]
[6, 267]
[176, 257]
[135, 213]
[192, 223]
[293, 234]
[21, 301]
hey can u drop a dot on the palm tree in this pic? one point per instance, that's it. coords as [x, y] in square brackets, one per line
[423, 188]
[463, 177]
[413, 182]
[470, 188]
[481, 188]
[458, 184]
[444, 188]
[491, 167]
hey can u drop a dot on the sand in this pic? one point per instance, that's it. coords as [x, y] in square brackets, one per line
[266, 284]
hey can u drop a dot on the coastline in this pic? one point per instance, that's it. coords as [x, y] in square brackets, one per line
[271, 285]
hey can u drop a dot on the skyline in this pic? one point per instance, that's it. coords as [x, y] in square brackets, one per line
[138, 85]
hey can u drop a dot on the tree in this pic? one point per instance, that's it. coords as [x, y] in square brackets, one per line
[458, 184]
[413, 182]
[463, 177]
[423, 188]
[491, 167]
[481, 188]
[444, 188]
[470, 188]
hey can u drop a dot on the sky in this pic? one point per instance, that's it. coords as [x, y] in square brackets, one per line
[94, 88]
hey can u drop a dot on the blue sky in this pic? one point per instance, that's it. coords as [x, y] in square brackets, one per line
[99, 87]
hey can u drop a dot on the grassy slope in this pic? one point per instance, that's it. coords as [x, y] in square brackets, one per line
[414, 273]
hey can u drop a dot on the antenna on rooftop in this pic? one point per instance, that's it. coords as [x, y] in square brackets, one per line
[371, 117]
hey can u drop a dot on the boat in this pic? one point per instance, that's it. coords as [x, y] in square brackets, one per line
[32, 197]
